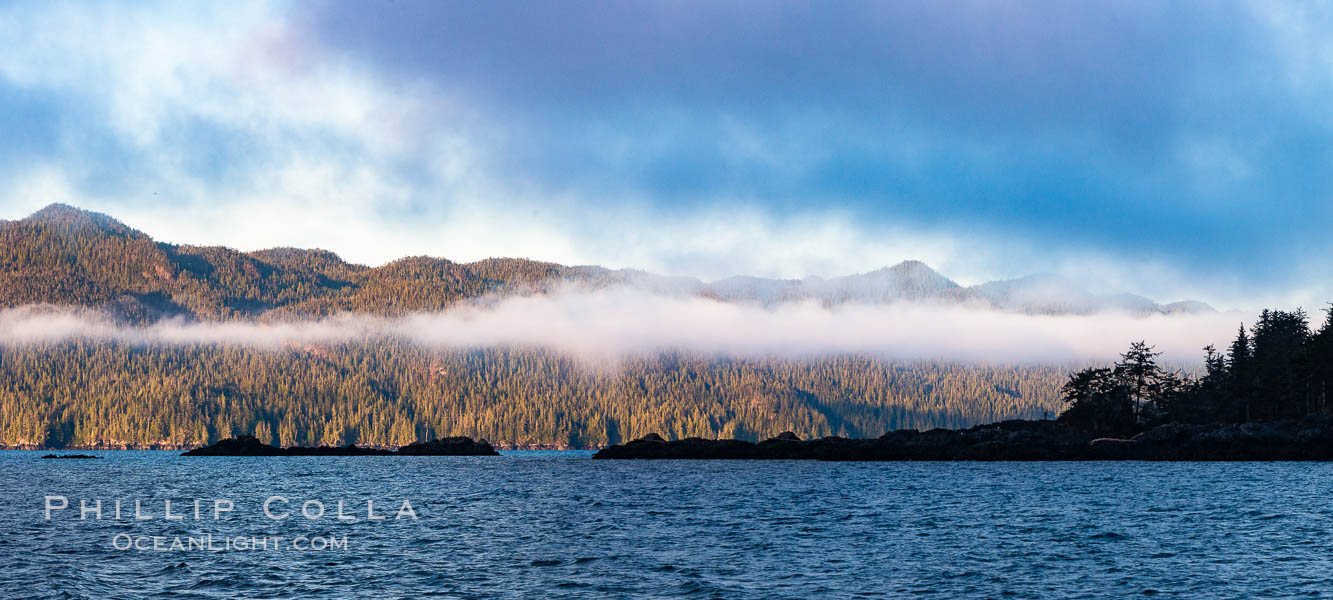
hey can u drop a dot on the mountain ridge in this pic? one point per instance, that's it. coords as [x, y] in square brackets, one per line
[67, 256]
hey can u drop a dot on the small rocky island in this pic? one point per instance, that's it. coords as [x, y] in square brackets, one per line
[1309, 439]
[70, 456]
[248, 445]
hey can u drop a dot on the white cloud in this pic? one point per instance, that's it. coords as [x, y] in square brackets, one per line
[602, 326]
[612, 322]
[237, 65]
[333, 154]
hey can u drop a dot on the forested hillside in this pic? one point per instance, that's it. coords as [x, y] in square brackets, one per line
[66, 256]
[384, 392]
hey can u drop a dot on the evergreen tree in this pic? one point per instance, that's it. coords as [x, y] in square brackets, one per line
[1099, 401]
[1139, 370]
[1241, 384]
[1278, 364]
[1321, 361]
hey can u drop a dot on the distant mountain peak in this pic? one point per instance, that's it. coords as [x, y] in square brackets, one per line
[919, 273]
[58, 212]
[1188, 307]
[911, 265]
[72, 217]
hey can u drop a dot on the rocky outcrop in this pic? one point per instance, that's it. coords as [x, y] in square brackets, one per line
[70, 456]
[531, 445]
[248, 445]
[450, 446]
[1310, 439]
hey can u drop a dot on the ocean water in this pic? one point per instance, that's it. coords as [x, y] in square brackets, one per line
[557, 525]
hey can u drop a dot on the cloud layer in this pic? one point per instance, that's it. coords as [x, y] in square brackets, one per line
[602, 326]
[1173, 150]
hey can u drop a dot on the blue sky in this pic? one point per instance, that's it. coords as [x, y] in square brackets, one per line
[1172, 149]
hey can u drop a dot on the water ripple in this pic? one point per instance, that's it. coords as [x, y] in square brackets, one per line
[553, 525]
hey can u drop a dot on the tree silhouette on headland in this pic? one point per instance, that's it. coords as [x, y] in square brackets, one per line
[1275, 370]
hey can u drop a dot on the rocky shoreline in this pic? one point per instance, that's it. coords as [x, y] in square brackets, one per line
[102, 447]
[1310, 439]
[247, 445]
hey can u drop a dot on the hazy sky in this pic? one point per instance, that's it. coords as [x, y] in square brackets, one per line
[1175, 149]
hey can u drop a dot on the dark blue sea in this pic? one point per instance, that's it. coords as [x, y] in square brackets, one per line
[558, 525]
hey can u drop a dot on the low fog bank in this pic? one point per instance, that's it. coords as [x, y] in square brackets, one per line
[606, 324]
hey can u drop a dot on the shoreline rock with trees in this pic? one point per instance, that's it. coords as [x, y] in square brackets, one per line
[248, 445]
[1266, 398]
[1278, 370]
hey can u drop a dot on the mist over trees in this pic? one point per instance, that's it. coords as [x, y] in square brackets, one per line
[1275, 370]
[389, 391]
